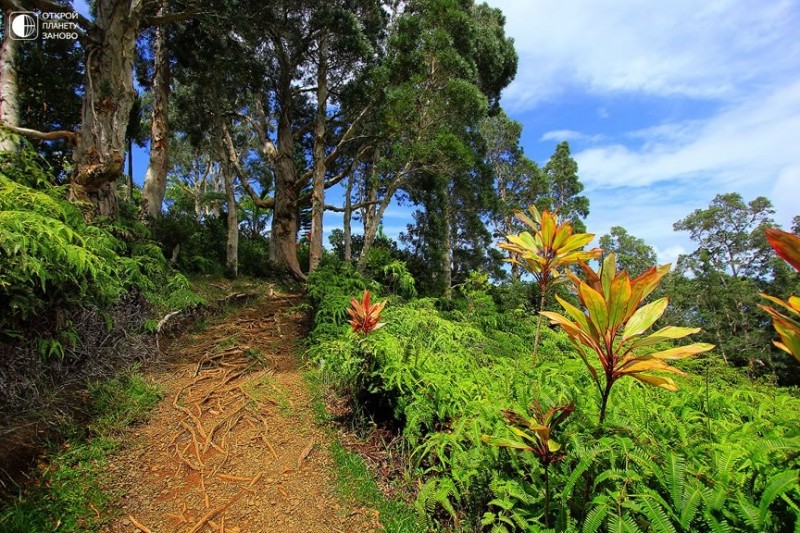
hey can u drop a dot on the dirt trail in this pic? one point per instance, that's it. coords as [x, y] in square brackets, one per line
[233, 447]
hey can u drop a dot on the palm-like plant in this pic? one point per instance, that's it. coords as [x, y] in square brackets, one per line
[787, 324]
[548, 247]
[613, 327]
[365, 316]
[533, 434]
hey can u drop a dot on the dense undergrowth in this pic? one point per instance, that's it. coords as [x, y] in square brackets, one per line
[78, 303]
[721, 454]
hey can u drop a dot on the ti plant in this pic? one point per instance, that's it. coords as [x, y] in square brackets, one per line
[787, 320]
[546, 248]
[365, 316]
[532, 434]
[614, 325]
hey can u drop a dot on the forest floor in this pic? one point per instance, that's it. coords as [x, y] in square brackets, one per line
[233, 446]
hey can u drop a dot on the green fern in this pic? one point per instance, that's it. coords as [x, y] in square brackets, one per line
[437, 492]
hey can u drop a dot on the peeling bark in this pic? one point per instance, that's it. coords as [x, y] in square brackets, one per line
[9, 103]
[318, 194]
[155, 179]
[107, 101]
[286, 214]
[232, 246]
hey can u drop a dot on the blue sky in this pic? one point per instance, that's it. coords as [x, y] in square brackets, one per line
[664, 104]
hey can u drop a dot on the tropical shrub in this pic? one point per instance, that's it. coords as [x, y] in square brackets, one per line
[533, 433]
[364, 316]
[444, 374]
[550, 247]
[613, 325]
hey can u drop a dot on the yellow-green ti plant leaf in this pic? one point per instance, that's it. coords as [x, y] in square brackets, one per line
[533, 431]
[545, 249]
[785, 319]
[613, 327]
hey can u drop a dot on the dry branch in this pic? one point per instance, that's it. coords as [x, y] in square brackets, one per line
[228, 477]
[163, 321]
[211, 514]
[143, 529]
[305, 453]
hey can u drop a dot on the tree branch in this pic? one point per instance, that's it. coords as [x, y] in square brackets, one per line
[352, 207]
[346, 137]
[37, 135]
[262, 130]
[303, 130]
[161, 20]
[343, 174]
[233, 157]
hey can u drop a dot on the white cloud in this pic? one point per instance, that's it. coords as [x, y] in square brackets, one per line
[735, 60]
[675, 168]
[670, 254]
[700, 50]
[745, 146]
[786, 195]
[569, 135]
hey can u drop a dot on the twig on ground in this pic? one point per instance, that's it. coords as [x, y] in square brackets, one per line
[142, 528]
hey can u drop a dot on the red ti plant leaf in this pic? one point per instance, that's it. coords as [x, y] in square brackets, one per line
[786, 319]
[364, 316]
[613, 323]
[786, 245]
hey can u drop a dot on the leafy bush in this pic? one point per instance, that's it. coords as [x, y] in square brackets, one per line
[49, 257]
[197, 247]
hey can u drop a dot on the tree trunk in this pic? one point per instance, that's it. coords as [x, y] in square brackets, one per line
[447, 256]
[318, 194]
[371, 226]
[286, 214]
[372, 214]
[108, 97]
[155, 179]
[348, 216]
[232, 247]
[9, 103]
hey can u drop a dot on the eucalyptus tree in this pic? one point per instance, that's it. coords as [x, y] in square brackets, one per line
[194, 181]
[285, 68]
[9, 87]
[108, 40]
[40, 86]
[155, 178]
